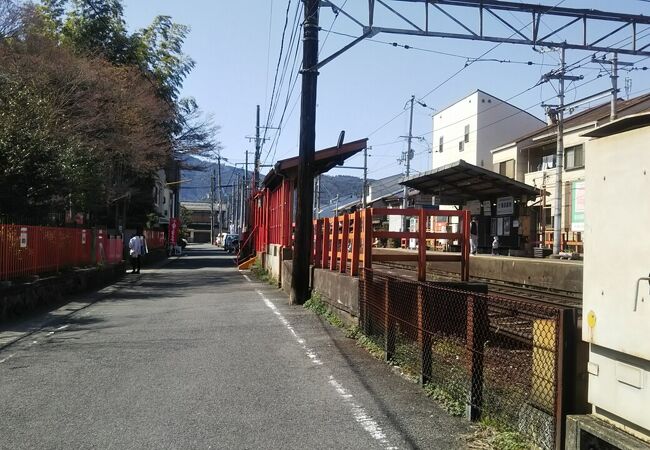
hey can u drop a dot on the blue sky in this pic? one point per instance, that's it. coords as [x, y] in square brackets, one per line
[236, 44]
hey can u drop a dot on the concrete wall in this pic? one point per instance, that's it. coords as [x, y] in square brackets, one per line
[341, 291]
[546, 273]
[272, 261]
[23, 298]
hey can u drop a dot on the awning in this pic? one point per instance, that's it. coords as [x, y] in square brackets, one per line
[461, 181]
[324, 160]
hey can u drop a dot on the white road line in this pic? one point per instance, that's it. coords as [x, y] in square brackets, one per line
[62, 327]
[247, 278]
[7, 358]
[358, 412]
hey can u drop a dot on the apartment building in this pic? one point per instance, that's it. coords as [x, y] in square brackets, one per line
[531, 158]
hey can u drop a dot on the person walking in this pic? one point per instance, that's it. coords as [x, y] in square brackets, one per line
[473, 236]
[137, 248]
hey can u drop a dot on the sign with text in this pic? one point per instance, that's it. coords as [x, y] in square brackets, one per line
[505, 206]
[578, 206]
[174, 228]
[23, 237]
[487, 208]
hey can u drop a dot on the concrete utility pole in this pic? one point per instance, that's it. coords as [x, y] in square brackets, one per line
[614, 77]
[317, 181]
[219, 194]
[364, 200]
[258, 147]
[559, 155]
[212, 208]
[408, 163]
[305, 183]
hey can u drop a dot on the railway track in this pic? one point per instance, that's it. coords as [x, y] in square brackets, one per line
[504, 321]
[503, 289]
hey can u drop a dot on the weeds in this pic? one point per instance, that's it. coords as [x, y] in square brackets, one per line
[262, 274]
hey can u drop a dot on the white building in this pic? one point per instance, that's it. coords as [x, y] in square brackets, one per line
[472, 127]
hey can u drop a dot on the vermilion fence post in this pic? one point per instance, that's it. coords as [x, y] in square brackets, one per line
[422, 246]
[334, 242]
[356, 244]
[466, 217]
[345, 239]
[326, 243]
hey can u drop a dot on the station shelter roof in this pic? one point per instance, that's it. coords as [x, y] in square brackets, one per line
[324, 160]
[459, 182]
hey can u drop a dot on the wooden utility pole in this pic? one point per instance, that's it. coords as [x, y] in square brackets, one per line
[305, 183]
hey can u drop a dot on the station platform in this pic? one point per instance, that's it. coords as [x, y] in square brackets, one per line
[539, 273]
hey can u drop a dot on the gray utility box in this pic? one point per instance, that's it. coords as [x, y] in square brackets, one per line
[616, 305]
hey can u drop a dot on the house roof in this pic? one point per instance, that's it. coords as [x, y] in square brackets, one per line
[621, 125]
[592, 115]
[461, 181]
[324, 160]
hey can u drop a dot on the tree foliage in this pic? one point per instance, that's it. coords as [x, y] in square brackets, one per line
[89, 112]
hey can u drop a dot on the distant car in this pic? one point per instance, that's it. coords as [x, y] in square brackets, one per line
[229, 241]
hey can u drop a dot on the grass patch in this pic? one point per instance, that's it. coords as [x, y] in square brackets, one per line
[450, 403]
[499, 438]
[316, 304]
[262, 274]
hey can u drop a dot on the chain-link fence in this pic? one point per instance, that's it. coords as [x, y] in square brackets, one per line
[496, 359]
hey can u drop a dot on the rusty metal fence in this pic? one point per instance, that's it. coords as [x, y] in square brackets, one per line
[499, 360]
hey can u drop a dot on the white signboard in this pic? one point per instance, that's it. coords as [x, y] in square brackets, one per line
[505, 206]
[487, 208]
[474, 207]
[23, 237]
[83, 237]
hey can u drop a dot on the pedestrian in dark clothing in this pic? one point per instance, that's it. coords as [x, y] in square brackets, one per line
[473, 236]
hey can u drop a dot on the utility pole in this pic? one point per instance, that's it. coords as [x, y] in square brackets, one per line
[242, 203]
[246, 190]
[559, 155]
[258, 146]
[231, 207]
[305, 182]
[219, 194]
[614, 77]
[364, 201]
[408, 163]
[212, 208]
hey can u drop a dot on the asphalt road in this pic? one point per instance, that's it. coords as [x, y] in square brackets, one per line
[194, 355]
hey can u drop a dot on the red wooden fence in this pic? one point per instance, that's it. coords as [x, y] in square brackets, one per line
[345, 242]
[31, 250]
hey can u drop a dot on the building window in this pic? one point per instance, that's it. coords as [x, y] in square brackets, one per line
[506, 168]
[461, 146]
[574, 157]
[440, 145]
[466, 133]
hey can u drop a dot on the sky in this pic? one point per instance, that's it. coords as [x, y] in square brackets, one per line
[364, 91]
